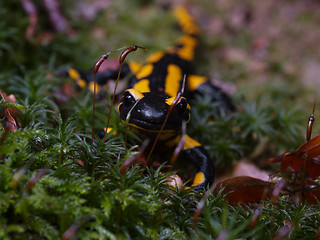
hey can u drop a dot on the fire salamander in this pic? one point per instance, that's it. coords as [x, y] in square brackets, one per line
[153, 88]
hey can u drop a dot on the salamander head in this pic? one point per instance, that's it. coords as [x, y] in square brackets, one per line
[147, 111]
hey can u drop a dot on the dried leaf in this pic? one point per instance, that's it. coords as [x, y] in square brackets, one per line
[242, 168]
[10, 124]
[306, 156]
[11, 113]
[10, 99]
[245, 189]
[311, 148]
[313, 195]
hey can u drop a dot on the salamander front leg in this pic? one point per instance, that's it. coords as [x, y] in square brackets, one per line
[198, 156]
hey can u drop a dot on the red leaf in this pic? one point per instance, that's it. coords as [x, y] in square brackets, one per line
[10, 124]
[11, 98]
[11, 113]
[311, 148]
[307, 155]
[245, 189]
[313, 195]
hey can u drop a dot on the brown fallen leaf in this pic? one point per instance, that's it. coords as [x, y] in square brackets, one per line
[305, 157]
[11, 114]
[14, 113]
[242, 168]
[245, 189]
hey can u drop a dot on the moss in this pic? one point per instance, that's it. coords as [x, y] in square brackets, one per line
[53, 186]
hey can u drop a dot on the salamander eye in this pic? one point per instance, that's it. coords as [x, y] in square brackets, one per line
[181, 106]
[128, 99]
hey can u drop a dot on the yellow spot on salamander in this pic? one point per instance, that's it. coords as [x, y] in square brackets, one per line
[186, 21]
[173, 78]
[195, 81]
[109, 130]
[74, 74]
[190, 143]
[188, 45]
[142, 86]
[170, 100]
[135, 93]
[164, 136]
[145, 71]
[91, 87]
[155, 57]
[198, 179]
[134, 67]
[81, 83]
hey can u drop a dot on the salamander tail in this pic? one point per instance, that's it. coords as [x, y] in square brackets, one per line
[186, 21]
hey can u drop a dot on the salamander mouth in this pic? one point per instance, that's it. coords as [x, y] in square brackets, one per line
[148, 126]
